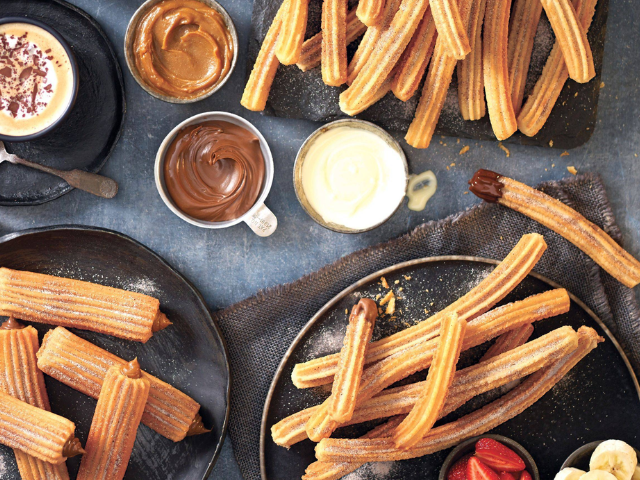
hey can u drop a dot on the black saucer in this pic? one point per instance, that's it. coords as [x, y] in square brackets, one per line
[86, 138]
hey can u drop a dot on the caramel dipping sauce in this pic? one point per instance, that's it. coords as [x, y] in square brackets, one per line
[214, 170]
[182, 48]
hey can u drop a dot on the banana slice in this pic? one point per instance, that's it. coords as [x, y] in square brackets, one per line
[636, 473]
[615, 457]
[597, 475]
[569, 474]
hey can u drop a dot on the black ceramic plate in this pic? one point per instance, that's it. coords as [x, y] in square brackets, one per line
[598, 399]
[86, 138]
[190, 354]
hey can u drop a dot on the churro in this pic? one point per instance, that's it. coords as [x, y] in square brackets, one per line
[504, 278]
[370, 11]
[451, 27]
[37, 432]
[470, 74]
[560, 218]
[291, 37]
[20, 378]
[83, 366]
[256, 91]
[334, 42]
[538, 106]
[476, 423]
[36, 297]
[571, 35]
[311, 55]
[525, 17]
[414, 60]
[115, 423]
[468, 383]
[508, 341]
[429, 404]
[342, 402]
[496, 69]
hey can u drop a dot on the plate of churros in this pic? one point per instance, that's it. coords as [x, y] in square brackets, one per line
[507, 351]
[103, 339]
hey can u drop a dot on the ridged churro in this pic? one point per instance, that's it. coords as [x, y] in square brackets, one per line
[334, 42]
[571, 35]
[342, 402]
[538, 106]
[560, 218]
[20, 378]
[37, 432]
[40, 298]
[294, 27]
[508, 341]
[476, 423]
[470, 74]
[83, 366]
[496, 69]
[370, 11]
[311, 55]
[451, 27]
[429, 404]
[256, 91]
[504, 278]
[468, 383]
[115, 423]
[414, 60]
[525, 17]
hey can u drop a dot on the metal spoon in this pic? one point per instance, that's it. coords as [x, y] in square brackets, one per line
[89, 182]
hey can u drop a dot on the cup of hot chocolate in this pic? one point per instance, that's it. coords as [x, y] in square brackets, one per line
[38, 79]
[215, 170]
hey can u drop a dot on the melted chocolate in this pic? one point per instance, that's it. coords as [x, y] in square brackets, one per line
[214, 171]
[132, 369]
[12, 324]
[197, 427]
[366, 306]
[72, 448]
[486, 185]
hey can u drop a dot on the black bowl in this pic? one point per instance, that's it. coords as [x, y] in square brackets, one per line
[581, 457]
[468, 446]
[74, 70]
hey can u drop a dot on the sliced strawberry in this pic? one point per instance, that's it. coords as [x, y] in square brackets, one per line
[525, 476]
[476, 470]
[459, 469]
[498, 457]
[506, 476]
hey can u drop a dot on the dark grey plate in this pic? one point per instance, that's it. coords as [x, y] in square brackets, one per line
[190, 354]
[86, 138]
[598, 399]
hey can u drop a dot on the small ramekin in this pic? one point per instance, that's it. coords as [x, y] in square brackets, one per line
[129, 39]
[581, 457]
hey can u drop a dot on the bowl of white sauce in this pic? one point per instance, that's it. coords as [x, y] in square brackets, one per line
[350, 176]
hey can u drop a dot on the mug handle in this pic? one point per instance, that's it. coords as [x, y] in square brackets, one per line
[263, 222]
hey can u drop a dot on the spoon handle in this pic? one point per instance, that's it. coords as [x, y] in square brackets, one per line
[93, 183]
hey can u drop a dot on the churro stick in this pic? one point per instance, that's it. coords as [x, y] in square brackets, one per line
[470, 382]
[560, 218]
[83, 366]
[470, 74]
[384, 373]
[311, 55]
[342, 402]
[525, 17]
[36, 432]
[476, 423]
[496, 68]
[73, 303]
[508, 341]
[20, 378]
[370, 11]
[451, 27]
[334, 42]
[428, 406]
[571, 35]
[538, 106]
[504, 278]
[294, 27]
[256, 91]
[414, 60]
[115, 423]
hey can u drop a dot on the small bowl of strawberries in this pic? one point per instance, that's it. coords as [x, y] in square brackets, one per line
[489, 457]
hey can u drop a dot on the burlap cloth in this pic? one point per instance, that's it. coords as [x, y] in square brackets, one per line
[259, 330]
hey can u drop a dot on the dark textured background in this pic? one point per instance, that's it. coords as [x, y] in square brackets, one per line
[227, 266]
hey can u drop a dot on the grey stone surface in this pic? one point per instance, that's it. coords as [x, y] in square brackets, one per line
[229, 265]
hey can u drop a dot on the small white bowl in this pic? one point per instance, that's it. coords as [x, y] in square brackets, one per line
[259, 218]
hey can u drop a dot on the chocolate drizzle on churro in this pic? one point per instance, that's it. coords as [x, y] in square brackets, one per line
[72, 448]
[12, 324]
[132, 369]
[197, 427]
[486, 185]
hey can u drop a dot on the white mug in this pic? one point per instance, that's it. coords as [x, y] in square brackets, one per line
[259, 218]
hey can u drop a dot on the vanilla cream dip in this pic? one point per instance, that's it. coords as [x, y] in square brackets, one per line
[352, 177]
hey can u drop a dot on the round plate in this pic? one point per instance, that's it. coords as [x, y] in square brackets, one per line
[86, 138]
[189, 355]
[597, 399]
